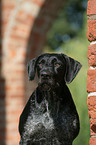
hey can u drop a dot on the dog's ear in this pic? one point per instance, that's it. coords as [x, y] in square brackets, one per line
[31, 67]
[72, 68]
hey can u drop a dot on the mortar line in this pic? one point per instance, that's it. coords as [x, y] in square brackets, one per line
[92, 94]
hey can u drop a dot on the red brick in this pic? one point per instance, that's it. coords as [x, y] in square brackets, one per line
[91, 30]
[91, 80]
[92, 141]
[92, 127]
[91, 103]
[13, 45]
[17, 37]
[92, 55]
[23, 17]
[13, 53]
[35, 37]
[53, 7]
[9, 138]
[8, 6]
[91, 7]
[39, 23]
[21, 31]
[38, 2]
[92, 114]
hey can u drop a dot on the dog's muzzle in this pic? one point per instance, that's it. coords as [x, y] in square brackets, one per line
[45, 75]
[46, 80]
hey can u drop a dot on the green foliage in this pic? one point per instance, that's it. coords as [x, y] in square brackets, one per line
[67, 24]
[76, 48]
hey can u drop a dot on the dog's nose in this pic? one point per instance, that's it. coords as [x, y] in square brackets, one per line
[45, 75]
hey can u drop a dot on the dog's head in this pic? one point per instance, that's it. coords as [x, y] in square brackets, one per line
[53, 69]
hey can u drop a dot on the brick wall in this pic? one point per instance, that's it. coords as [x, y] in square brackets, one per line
[24, 27]
[91, 79]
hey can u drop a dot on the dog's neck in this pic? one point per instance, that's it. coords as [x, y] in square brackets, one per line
[54, 95]
[57, 99]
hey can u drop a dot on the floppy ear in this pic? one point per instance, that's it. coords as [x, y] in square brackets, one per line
[31, 67]
[72, 68]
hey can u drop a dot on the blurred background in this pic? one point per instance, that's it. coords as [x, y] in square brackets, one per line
[29, 28]
[68, 35]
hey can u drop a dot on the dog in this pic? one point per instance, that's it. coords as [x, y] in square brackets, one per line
[50, 116]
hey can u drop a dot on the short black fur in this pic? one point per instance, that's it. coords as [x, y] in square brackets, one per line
[50, 116]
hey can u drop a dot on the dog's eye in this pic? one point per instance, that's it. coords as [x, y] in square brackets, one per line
[40, 64]
[57, 64]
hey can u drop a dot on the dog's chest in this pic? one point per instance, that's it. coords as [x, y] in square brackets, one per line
[39, 118]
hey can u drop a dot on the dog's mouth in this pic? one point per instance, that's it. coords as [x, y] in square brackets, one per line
[46, 84]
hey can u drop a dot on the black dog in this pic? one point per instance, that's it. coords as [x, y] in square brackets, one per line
[50, 116]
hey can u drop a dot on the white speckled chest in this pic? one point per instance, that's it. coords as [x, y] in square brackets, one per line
[38, 118]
